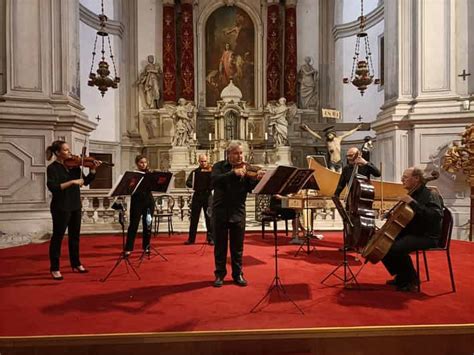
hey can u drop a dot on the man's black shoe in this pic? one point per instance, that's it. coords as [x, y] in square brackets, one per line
[240, 281]
[408, 287]
[392, 282]
[218, 282]
[188, 242]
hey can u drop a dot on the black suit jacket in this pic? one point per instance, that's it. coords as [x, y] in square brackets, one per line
[366, 170]
[230, 193]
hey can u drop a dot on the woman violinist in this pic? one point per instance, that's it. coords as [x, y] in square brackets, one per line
[142, 206]
[64, 179]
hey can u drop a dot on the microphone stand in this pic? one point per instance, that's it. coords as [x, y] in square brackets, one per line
[123, 256]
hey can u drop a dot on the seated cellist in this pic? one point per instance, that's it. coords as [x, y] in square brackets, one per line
[422, 232]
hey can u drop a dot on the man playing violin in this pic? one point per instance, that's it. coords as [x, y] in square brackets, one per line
[231, 184]
[366, 168]
[198, 181]
[422, 232]
[64, 183]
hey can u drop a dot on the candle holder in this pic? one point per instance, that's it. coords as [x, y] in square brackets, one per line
[192, 152]
[250, 158]
[212, 151]
[265, 150]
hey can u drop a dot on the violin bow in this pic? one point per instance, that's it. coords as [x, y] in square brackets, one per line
[83, 154]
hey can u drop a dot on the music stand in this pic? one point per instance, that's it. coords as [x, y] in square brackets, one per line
[345, 264]
[125, 186]
[283, 180]
[313, 185]
[155, 181]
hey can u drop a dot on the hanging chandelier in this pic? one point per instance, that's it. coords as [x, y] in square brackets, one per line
[102, 79]
[363, 73]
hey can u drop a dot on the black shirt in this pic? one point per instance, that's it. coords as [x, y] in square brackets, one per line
[230, 193]
[366, 170]
[68, 199]
[428, 208]
[201, 187]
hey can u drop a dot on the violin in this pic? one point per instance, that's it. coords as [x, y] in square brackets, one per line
[208, 169]
[251, 171]
[76, 161]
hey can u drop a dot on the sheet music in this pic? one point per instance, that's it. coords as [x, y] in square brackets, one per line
[127, 183]
[283, 180]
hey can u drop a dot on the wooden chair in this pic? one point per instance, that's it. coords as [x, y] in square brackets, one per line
[443, 246]
[164, 205]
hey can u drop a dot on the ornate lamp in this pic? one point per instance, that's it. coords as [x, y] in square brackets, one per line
[363, 73]
[102, 79]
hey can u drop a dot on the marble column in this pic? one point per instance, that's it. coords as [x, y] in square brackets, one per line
[327, 76]
[169, 52]
[423, 110]
[273, 51]
[40, 103]
[290, 65]
[187, 50]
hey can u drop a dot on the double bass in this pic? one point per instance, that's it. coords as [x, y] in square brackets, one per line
[398, 217]
[358, 203]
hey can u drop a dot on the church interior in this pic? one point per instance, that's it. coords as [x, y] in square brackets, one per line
[297, 82]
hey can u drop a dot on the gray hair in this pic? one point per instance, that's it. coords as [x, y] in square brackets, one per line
[233, 145]
[418, 173]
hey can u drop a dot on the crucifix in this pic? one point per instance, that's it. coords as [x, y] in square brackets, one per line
[464, 74]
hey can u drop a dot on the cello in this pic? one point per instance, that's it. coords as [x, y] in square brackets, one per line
[398, 217]
[359, 200]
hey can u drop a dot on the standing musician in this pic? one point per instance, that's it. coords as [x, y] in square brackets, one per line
[422, 232]
[200, 199]
[365, 168]
[231, 183]
[142, 204]
[64, 183]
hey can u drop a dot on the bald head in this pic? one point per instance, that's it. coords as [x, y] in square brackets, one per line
[352, 153]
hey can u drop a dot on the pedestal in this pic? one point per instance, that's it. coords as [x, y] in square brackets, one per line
[283, 155]
[179, 157]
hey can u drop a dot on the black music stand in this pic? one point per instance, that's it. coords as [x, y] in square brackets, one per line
[313, 185]
[283, 180]
[156, 181]
[125, 186]
[345, 264]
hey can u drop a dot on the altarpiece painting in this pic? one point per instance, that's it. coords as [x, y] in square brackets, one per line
[230, 53]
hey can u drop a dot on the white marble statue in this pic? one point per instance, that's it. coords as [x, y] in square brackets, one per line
[149, 83]
[278, 121]
[308, 85]
[184, 120]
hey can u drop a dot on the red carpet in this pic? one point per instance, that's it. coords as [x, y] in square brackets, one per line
[177, 295]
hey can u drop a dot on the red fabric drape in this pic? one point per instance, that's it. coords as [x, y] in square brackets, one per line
[187, 52]
[290, 77]
[273, 52]
[169, 54]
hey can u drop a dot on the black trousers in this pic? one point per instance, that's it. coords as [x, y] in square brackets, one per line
[199, 202]
[223, 233]
[398, 261]
[138, 211]
[62, 220]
